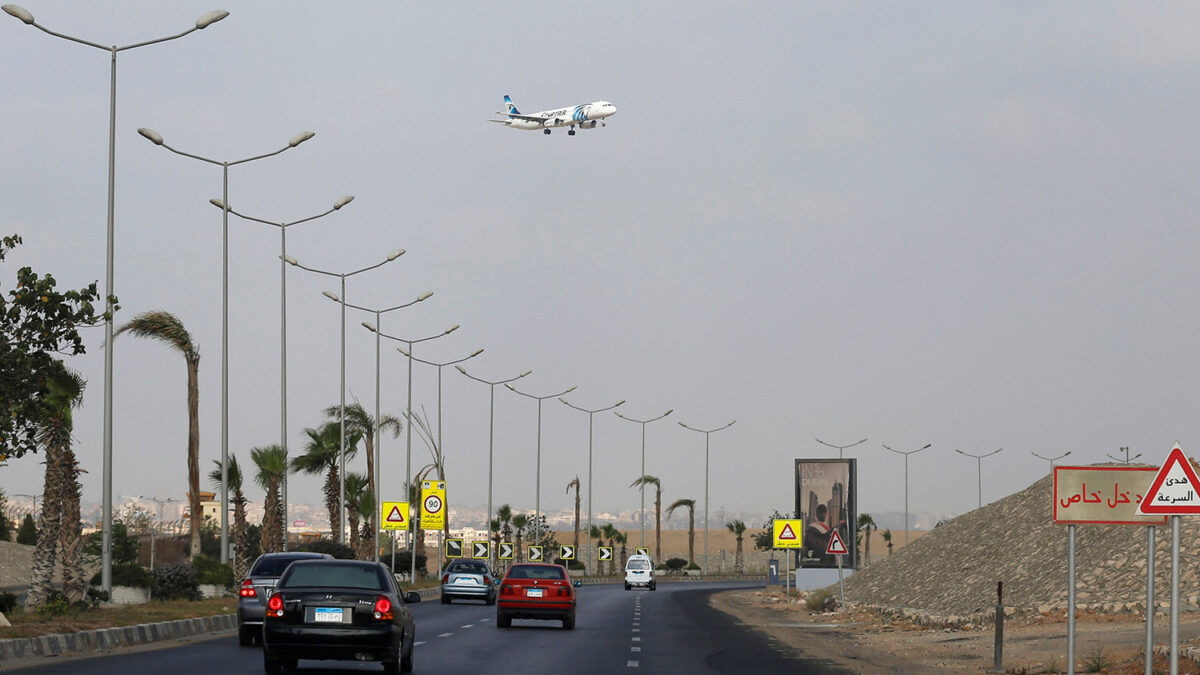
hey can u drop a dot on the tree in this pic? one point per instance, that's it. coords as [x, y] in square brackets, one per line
[38, 323]
[27, 534]
[622, 539]
[765, 540]
[866, 525]
[365, 504]
[575, 484]
[362, 425]
[596, 533]
[738, 528]
[272, 466]
[887, 539]
[241, 541]
[690, 504]
[6, 528]
[356, 486]
[166, 327]
[322, 453]
[651, 480]
[519, 522]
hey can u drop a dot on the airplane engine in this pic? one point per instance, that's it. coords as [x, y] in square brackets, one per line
[590, 124]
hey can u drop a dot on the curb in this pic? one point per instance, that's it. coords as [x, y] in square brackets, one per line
[102, 639]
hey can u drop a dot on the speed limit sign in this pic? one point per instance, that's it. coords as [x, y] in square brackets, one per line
[433, 505]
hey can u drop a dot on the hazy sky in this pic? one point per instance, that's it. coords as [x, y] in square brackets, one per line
[965, 224]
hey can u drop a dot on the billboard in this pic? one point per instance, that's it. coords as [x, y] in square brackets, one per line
[826, 492]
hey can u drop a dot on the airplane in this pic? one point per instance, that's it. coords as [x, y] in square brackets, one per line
[584, 116]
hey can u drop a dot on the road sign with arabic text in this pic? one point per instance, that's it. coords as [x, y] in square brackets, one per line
[433, 504]
[393, 516]
[1176, 488]
[787, 533]
[1102, 495]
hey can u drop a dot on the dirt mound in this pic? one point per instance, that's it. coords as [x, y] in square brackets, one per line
[950, 574]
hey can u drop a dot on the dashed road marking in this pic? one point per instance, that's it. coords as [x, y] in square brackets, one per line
[446, 634]
[635, 649]
[631, 664]
[470, 625]
[637, 639]
[418, 644]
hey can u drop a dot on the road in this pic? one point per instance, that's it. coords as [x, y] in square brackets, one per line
[671, 630]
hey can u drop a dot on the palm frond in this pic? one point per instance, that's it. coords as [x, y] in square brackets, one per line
[164, 327]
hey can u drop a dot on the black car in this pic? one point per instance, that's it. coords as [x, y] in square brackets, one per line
[253, 592]
[346, 610]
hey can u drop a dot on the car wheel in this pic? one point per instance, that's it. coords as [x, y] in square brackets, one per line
[245, 637]
[445, 599]
[491, 600]
[503, 620]
[628, 587]
[406, 662]
[272, 665]
[569, 621]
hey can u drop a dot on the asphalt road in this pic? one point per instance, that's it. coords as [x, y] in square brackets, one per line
[671, 630]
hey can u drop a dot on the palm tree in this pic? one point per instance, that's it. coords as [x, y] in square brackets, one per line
[60, 492]
[596, 533]
[233, 478]
[622, 539]
[887, 539]
[272, 466]
[866, 525]
[691, 507]
[365, 504]
[575, 484]
[356, 485]
[739, 528]
[519, 522]
[361, 424]
[166, 327]
[651, 480]
[322, 454]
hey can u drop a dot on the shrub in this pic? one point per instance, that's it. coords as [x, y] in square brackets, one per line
[403, 562]
[8, 602]
[177, 582]
[820, 601]
[27, 534]
[56, 605]
[693, 566]
[674, 565]
[124, 547]
[209, 571]
[128, 574]
[339, 551]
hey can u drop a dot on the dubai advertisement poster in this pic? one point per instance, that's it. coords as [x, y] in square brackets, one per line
[825, 501]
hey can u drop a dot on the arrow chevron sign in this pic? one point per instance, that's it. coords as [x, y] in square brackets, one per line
[482, 549]
[566, 552]
[506, 550]
[535, 554]
[454, 548]
[606, 553]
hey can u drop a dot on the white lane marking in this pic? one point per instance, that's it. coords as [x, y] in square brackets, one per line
[418, 644]
[631, 664]
[637, 630]
[635, 649]
[637, 639]
[470, 625]
[446, 634]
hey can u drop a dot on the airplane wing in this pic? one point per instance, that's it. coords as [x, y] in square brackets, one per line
[528, 118]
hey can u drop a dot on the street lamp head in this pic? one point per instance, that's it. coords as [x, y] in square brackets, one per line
[475, 353]
[395, 254]
[369, 326]
[668, 412]
[461, 370]
[300, 138]
[19, 12]
[528, 372]
[732, 422]
[424, 296]
[511, 388]
[218, 203]
[211, 18]
[401, 350]
[342, 202]
[151, 135]
[451, 329]
[290, 260]
[331, 295]
[570, 390]
[621, 402]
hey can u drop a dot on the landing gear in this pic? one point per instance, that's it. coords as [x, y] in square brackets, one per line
[546, 131]
[570, 132]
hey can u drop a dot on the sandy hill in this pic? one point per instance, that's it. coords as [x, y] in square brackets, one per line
[953, 570]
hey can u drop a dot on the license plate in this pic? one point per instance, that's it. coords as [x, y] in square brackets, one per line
[466, 580]
[533, 592]
[327, 615]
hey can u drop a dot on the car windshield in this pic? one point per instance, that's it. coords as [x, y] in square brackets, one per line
[638, 565]
[340, 576]
[537, 572]
[274, 566]
[469, 568]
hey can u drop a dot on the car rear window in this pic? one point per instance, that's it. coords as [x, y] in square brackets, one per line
[275, 565]
[537, 572]
[468, 568]
[638, 565]
[340, 576]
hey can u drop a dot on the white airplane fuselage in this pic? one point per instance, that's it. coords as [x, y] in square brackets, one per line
[584, 116]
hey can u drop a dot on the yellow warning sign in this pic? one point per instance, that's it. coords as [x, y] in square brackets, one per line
[433, 504]
[787, 533]
[393, 516]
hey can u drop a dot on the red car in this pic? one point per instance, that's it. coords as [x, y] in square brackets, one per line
[536, 591]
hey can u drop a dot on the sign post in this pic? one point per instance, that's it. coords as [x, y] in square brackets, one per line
[1175, 491]
[837, 548]
[787, 534]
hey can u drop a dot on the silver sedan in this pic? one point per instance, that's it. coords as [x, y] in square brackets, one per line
[468, 580]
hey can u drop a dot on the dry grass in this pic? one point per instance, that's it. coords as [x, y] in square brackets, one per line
[30, 625]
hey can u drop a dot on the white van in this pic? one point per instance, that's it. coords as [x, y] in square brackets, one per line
[639, 571]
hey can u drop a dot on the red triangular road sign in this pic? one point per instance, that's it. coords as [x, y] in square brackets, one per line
[1175, 489]
[395, 516]
[787, 533]
[836, 545]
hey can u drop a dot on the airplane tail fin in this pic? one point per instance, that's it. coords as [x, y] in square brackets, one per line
[510, 107]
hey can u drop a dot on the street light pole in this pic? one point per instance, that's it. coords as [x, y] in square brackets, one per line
[643, 473]
[1128, 459]
[840, 448]
[1052, 460]
[491, 437]
[411, 484]
[375, 475]
[154, 532]
[342, 402]
[283, 226]
[707, 433]
[906, 454]
[590, 413]
[979, 465]
[441, 449]
[157, 139]
[537, 495]
[109, 292]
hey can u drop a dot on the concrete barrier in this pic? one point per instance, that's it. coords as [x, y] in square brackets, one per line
[103, 639]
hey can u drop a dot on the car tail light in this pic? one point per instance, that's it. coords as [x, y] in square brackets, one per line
[487, 581]
[383, 608]
[275, 606]
[445, 578]
[562, 590]
[247, 589]
[506, 588]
